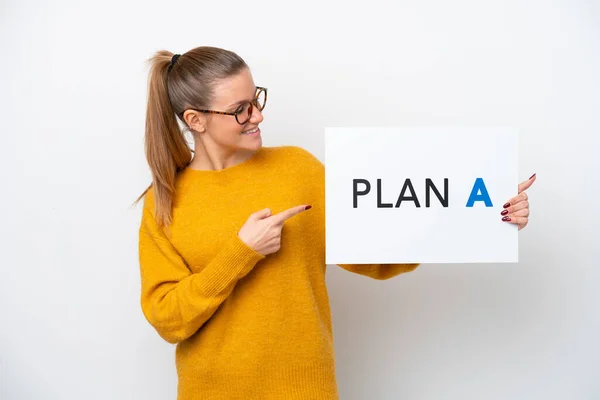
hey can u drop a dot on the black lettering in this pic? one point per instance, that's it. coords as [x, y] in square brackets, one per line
[356, 193]
[379, 204]
[429, 185]
[408, 185]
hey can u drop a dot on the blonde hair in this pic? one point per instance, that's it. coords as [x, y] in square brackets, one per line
[172, 89]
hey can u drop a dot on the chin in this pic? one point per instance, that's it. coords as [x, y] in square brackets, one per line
[257, 144]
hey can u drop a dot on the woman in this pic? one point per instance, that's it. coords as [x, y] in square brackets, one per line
[232, 240]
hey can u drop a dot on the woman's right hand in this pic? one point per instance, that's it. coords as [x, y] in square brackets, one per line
[262, 231]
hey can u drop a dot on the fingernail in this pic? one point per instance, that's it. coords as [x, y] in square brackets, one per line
[506, 205]
[505, 218]
[531, 176]
[504, 212]
[307, 207]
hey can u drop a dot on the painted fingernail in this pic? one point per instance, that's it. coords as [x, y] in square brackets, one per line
[532, 176]
[307, 207]
[504, 212]
[505, 218]
[506, 205]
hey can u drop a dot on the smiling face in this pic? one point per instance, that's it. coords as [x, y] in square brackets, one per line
[222, 132]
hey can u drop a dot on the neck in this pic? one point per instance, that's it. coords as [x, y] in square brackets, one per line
[216, 158]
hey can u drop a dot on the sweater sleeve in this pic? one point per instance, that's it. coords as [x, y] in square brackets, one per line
[175, 301]
[379, 271]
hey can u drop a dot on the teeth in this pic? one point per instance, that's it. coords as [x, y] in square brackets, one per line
[252, 131]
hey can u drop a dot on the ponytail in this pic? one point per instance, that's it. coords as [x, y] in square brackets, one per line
[166, 149]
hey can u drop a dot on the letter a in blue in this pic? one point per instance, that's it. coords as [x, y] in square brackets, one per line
[478, 187]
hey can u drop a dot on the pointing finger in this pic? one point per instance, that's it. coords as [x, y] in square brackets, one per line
[289, 213]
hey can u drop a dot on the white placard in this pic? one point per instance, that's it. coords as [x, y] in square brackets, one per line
[381, 200]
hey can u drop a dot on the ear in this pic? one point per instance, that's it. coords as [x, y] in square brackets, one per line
[195, 120]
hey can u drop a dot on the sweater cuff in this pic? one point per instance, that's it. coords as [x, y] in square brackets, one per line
[235, 260]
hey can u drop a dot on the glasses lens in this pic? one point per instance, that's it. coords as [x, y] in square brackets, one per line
[261, 99]
[246, 109]
[245, 112]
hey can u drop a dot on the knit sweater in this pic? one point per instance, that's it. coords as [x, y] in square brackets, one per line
[247, 326]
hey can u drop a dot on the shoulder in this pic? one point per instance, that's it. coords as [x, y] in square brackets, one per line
[300, 166]
[296, 154]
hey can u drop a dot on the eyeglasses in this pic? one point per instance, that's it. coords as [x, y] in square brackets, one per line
[244, 111]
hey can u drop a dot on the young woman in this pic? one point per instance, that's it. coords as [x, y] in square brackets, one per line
[232, 239]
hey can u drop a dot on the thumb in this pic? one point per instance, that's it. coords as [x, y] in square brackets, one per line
[262, 214]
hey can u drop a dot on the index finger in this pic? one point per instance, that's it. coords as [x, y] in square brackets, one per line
[526, 184]
[281, 217]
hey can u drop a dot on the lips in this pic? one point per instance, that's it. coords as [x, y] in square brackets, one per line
[252, 131]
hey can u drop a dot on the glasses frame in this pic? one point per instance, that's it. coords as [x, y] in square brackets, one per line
[253, 103]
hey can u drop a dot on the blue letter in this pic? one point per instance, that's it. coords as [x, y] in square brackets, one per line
[475, 196]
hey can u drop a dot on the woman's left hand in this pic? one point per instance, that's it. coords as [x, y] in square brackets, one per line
[516, 211]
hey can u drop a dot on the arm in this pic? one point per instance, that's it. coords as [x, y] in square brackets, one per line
[175, 301]
[379, 271]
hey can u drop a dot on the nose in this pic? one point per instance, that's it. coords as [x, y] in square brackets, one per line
[256, 117]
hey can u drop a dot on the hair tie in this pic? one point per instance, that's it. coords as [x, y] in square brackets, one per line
[173, 61]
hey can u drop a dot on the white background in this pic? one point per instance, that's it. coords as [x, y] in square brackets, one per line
[386, 158]
[72, 107]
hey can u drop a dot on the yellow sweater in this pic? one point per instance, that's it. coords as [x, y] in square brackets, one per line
[246, 326]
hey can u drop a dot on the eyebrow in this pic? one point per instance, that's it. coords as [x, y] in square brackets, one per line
[242, 101]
